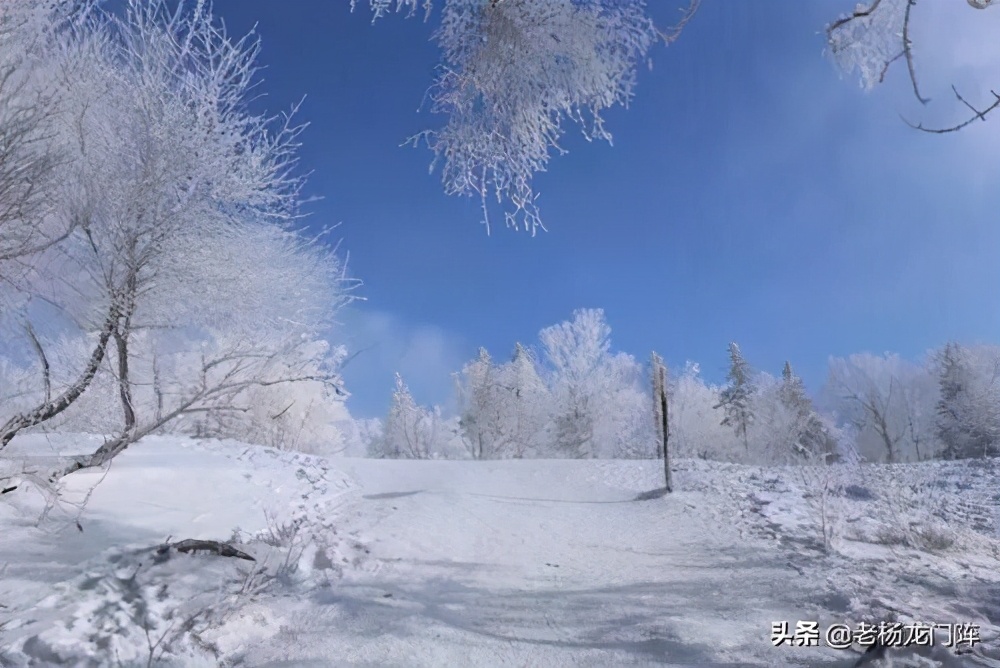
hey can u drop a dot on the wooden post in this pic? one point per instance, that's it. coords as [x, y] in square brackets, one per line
[661, 415]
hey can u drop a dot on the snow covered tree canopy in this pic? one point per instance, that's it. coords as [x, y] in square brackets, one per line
[174, 254]
[513, 73]
[30, 156]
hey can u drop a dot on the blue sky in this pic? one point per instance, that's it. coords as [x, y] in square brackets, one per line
[752, 194]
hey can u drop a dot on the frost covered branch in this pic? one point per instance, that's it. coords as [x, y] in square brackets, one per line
[873, 37]
[31, 151]
[514, 74]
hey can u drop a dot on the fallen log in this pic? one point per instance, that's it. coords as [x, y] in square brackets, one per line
[217, 547]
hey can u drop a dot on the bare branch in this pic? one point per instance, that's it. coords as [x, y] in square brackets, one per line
[977, 115]
[908, 52]
[872, 38]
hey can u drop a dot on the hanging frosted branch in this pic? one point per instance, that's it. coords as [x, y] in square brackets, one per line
[513, 75]
[874, 36]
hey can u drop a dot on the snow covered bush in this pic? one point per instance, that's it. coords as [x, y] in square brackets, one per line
[363, 436]
[823, 489]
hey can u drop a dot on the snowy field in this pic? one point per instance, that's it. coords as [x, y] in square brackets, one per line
[491, 563]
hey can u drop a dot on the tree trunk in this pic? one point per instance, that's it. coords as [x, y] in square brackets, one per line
[108, 451]
[157, 388]
[49, 409]
[122, 334]
[124, 382]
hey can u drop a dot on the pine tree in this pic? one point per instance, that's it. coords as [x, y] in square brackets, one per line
[952, 388]
[811, 436]
[404, 437]
[574, 426]
[736, 399]
[963, 422]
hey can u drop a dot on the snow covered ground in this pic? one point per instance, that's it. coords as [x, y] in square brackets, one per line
[495, 563]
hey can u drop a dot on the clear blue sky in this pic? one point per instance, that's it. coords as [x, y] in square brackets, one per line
[752, 194]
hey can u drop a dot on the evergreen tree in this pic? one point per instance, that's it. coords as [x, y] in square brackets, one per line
[480, 407]
[964, 423]
[736, 399]
[811, 435]
[405, 432]
[524, 403]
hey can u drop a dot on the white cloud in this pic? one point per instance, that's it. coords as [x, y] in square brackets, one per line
[425, 355]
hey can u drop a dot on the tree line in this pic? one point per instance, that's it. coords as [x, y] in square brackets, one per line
[573, 397]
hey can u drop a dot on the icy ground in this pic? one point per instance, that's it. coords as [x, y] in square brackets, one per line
[513, 563]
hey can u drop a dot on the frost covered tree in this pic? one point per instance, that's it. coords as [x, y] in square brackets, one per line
[504, 409]
[187, 205]
[481, 415]
[968, 407]
[694, 423]
[957, 431]
[600, 404]
[514, 73]
[811, 434]
[365, 437]
[525, 403]
[879, 33]
[622, 428]
[736, 400]
[888, 401]
[410, 432]
[307, 415]
[577, 353]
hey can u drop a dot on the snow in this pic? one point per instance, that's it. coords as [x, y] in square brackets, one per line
[473, 563]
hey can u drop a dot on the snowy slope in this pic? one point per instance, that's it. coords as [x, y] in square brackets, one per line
[438, 563]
